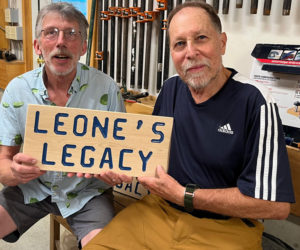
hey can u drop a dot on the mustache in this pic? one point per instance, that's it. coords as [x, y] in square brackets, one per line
[61, 52]
[195, 63]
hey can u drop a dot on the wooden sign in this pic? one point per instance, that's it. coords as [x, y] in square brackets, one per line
[127, 193]
[91, 141]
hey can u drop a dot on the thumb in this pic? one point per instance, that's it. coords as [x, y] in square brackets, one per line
[160, 171]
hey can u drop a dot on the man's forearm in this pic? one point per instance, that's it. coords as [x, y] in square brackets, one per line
[232, 202]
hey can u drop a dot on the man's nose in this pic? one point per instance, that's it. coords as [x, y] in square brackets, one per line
[61, 37]
[191, 50]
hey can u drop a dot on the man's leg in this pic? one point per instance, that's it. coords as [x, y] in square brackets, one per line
[17, 217]
[7, 225]
[90, 236]
[152, 224]
[88, 222]
[192, 233]
[145, 224]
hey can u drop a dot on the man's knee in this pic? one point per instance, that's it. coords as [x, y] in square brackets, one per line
[7, 226]
[86, 239]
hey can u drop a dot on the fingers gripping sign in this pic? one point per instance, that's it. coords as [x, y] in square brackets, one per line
[109, 177]
[24, 168]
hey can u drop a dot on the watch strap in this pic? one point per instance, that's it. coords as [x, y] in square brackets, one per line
[189, 197]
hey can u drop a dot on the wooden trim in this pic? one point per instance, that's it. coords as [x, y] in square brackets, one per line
[27, 34]
[4, 43]
[294, 159]
[93, 62]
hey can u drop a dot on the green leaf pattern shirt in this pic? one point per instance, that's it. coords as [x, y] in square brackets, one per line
[91, 89]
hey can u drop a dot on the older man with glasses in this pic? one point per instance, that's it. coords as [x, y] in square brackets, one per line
[30, 194]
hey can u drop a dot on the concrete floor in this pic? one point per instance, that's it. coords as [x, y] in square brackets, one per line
[38, 237]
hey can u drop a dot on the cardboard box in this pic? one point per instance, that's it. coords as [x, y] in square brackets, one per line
[277, 67]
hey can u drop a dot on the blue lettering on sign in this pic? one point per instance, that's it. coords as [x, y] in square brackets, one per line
[103, 129]
[65, 154]
[162, 136]
[76, 123]
[145, 159]
[122, 152]
[136, 188]
[58, 123]
[139, 125]
[128, 186]
[117, 128]
[36, 122]
[82, 161]
[44, 155]
[107, 152]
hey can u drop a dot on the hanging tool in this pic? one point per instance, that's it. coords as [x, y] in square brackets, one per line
[99, 52]
[119, 39]
[166, 47]
[104, 54]
[162, 6]
[225, 7]
[125, 17]
[91, 29]
[286, 7]
[216, 5]
[112, 13]
[253, 7]
[141, 27]
[133, 14]
[149, 18]
[267, 7]
[239, 4]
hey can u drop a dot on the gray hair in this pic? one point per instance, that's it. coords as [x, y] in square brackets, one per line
[68, 12]
[202, 5]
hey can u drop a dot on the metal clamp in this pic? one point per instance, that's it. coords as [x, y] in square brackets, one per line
[134, 11]
[99, 56]
[104, 15]
[151, 15]
[125, 13]
[164, 24]
[162, 4]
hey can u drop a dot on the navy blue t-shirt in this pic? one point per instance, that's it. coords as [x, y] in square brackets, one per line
[234, 139]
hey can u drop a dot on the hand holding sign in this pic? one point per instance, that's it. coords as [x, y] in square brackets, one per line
[24, 169]
[164, 185]
[92, 141]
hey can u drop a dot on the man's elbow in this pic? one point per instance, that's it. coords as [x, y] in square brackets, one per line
[282, 210]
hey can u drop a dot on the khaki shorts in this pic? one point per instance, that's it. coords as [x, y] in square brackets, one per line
[152, 223]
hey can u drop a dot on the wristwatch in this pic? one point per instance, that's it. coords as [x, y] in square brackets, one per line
[189, 196]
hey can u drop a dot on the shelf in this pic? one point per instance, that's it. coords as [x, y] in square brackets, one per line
[11, 69]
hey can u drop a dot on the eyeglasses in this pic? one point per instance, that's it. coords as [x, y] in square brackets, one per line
[52, 33]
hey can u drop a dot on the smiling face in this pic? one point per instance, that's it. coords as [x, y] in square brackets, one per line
[60, 55]
[196, 47]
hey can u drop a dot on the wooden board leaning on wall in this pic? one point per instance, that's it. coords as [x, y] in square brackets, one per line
[294, 158]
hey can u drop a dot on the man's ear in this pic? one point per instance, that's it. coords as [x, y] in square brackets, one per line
[84, 48]
[223, 42]
[37, 48]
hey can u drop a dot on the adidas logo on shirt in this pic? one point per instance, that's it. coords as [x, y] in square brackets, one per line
[225, 129]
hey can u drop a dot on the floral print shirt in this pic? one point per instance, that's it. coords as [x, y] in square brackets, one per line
[90, 89]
